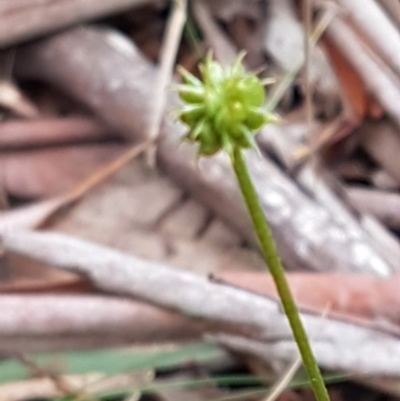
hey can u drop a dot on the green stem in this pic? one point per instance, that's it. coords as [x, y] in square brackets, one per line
[275, 266]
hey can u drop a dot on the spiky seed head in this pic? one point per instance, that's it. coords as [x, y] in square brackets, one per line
[223, 109]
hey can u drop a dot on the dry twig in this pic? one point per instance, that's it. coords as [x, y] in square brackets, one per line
[24, 20]
[199, 298]
[377, 78]
[124, 104]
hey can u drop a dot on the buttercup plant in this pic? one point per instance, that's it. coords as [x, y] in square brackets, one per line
[223, 110]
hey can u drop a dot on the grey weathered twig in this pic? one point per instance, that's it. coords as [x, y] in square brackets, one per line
[118, 89]
[33, 323]
[200, 298]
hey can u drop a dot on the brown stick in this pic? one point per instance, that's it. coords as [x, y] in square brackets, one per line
[50, 131]
[21, 20]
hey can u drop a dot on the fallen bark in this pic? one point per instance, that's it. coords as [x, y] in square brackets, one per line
[27, 320]
[33, 323]
[236, 310]
[22, 20]
[119, 88]
[118, 91]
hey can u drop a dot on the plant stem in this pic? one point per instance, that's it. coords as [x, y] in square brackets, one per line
[272, 258]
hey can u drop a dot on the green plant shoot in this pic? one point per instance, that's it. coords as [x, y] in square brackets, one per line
[223, 110]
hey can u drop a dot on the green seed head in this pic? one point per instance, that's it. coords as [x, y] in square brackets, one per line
[223, 108]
